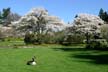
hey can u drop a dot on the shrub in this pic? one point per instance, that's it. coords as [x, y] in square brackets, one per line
[104, 31]
[97, 44]
[48, 39]
[55, 37]
[29, 38]
[2, 37]
[73, 39]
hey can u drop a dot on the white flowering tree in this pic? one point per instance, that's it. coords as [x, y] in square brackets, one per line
[33, 21]
[39, 22]
[87, 24]
[91, 25]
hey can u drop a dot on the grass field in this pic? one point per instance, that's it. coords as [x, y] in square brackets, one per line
[52, 58]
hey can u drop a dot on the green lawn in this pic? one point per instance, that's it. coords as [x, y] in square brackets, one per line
[52, 58]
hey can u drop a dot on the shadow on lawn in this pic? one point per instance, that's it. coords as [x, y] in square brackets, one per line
[87, 55]
[72, 49]
[93, 58]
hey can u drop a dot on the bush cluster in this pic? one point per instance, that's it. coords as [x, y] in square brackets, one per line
[73, 39]
[97, 44]
[29, 38]
[56, 38]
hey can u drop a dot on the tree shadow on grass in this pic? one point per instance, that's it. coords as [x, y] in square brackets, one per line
[87, 55]
[69, 49]
[93, 58]
[72, 49]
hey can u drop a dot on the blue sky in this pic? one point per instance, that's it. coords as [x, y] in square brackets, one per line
[65, 9]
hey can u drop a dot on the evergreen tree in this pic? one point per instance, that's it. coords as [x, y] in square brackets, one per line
[0, 18]
[0, 15]
[103, 15]
[5, 13]
[76, 16]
